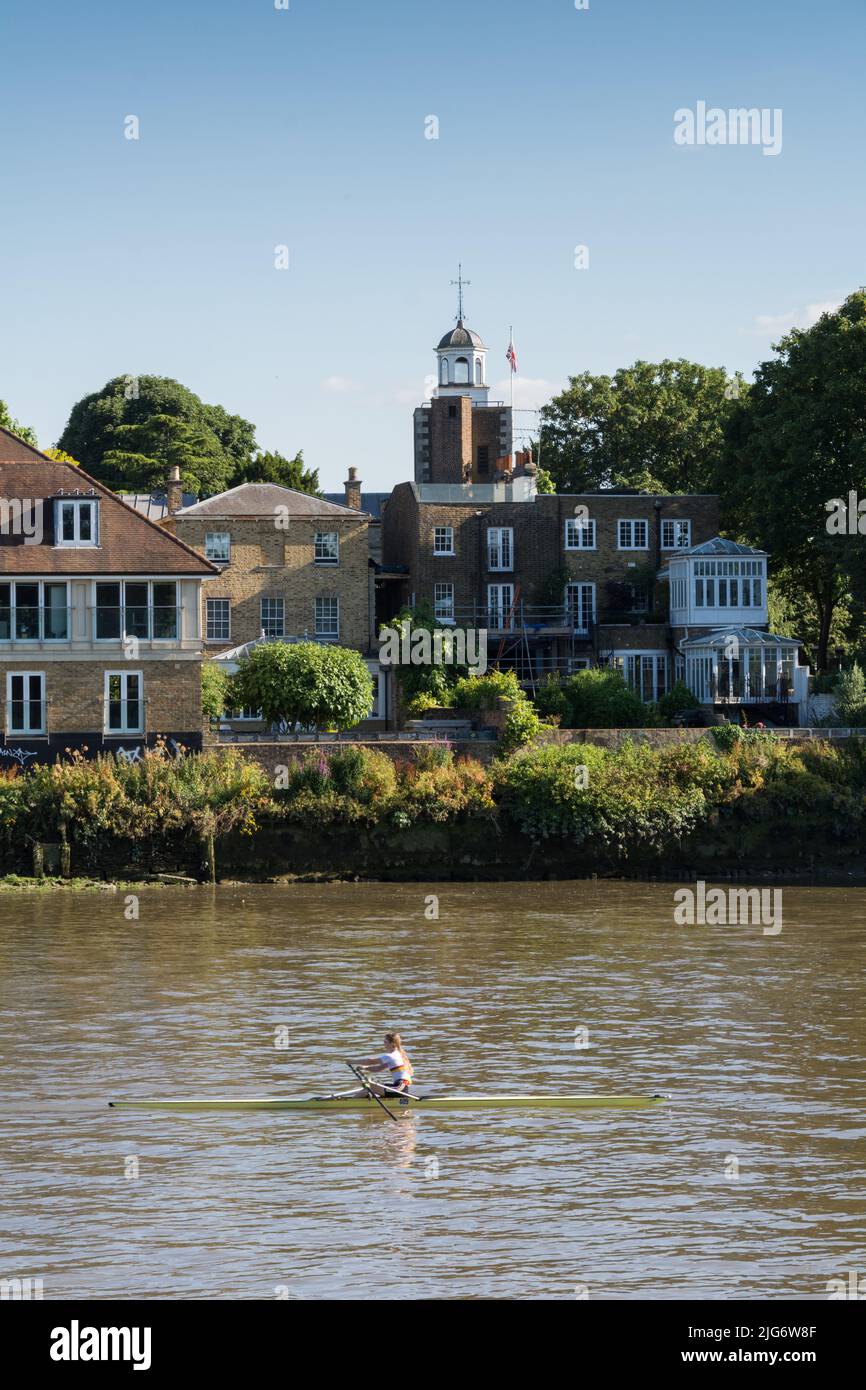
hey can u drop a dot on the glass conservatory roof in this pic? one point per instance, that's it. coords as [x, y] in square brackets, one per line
[746, 636]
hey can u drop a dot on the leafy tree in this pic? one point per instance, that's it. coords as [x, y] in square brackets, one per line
[128, 435]
[214, 688]
[434, 682]
[796, 442]
[59, 456]
[851, 698]
[545, 484]
[600, 699]
[142, 455]
[655, 426]
[677, 700]
[15, 427]
[274, 468]
[303, 683]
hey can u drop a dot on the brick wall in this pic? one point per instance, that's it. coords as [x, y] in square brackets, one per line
[539, 542]
[75, 691]
[267, 562]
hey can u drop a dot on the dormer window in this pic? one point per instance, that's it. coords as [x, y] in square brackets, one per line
[76, 521]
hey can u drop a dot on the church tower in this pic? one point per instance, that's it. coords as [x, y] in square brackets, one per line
[460, 436]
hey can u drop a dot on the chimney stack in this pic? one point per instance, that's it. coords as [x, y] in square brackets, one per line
[352, 488]
[174, 491]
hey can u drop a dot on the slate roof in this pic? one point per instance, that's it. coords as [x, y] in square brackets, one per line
[129, 543]
[262, 499]
[371, 502]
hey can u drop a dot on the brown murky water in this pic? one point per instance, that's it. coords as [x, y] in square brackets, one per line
[759, 1040]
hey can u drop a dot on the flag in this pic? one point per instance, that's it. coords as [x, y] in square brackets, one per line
[511, 356]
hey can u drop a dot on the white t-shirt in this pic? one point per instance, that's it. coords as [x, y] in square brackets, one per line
[395, 1060]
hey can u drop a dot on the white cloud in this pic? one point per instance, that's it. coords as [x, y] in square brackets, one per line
[777, 325]
[339, 384]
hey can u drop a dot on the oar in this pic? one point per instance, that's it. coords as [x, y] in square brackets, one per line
[370, 1092]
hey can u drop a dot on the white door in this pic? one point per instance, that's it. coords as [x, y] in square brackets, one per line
[580, 602]
[500, 598]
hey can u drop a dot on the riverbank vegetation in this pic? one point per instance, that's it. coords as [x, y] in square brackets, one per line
[733, 789]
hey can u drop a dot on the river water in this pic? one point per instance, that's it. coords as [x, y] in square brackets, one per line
[751, 1182]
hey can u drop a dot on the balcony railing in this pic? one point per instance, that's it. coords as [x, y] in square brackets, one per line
[123, 717]
[535, 618]
[25, 719]
[46, 624]
[35, 624]
[147, 623]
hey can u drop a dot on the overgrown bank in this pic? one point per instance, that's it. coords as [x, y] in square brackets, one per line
[753, 805]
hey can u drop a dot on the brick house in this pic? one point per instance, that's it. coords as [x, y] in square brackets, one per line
[288, 566]
[100, 628]
[559, 582]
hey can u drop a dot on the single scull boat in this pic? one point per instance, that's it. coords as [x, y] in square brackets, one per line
[403, 1102]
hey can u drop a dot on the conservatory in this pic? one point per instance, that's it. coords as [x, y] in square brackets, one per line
[744, 666]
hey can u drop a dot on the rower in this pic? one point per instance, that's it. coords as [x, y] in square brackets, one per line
[394, 1060]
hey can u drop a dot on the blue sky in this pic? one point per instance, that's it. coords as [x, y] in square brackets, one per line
[262, 127]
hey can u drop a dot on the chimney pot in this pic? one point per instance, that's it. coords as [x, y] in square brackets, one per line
[174, 491]
[352, 489]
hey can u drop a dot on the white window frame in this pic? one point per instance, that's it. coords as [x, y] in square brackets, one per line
[225, 539]
[579, 607]
[25, 732]
[682, 533]
[125, 728]
[579, 535]
[331, 636]
[500, 549]
[631, 523]
[207, 619]
[448, 537]
[443, 604]
[499, 607]
[78, 504]
[124, 607]
[279, 606]
[660, 682]
[13, 607]
[326, 542]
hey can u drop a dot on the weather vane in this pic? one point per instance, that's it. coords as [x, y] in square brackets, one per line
[460, 282]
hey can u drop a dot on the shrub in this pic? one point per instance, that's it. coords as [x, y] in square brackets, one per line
[851, 697]
[484, 692]
[600, 699]
[443, 790]
[678, 699]
[214, 685]
[304, 683]
[550, 698]
[521, 726]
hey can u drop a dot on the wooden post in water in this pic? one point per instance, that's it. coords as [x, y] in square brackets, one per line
[65, 852]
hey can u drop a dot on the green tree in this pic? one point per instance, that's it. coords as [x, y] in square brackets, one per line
[274, 468]
[851, 698]
[130, 433]
[600, 699]
[143, 454]
[60, 457]
[303, 683]
[656, 426]
[797, 441]
[15, 427]
[214, 688]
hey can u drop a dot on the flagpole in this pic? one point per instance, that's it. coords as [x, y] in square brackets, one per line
[511, 364]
